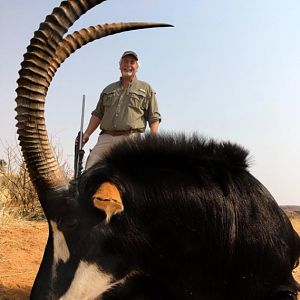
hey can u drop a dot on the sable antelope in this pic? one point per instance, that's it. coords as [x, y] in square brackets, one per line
[166, 217]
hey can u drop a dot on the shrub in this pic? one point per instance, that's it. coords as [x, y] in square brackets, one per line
[17, 193]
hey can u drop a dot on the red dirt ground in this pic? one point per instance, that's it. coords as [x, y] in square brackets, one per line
[21, 248]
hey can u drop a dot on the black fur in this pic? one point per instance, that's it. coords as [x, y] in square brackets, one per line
[196, 224]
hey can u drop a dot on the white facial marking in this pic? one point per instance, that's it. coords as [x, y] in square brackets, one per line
[88, 283]
[61, 250]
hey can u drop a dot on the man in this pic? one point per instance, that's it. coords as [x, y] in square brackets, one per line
[123, 110]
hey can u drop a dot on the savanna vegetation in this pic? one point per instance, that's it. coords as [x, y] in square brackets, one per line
[18, 199]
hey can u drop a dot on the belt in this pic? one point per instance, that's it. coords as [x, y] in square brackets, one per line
[120, 132]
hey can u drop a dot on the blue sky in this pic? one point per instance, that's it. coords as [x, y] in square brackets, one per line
[229, 70]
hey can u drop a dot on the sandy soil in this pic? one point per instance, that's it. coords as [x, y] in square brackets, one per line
[21, 249]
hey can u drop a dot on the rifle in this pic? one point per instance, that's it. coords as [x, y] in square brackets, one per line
[79, 152]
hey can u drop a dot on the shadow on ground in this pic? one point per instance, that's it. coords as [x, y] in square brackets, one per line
[7, 293]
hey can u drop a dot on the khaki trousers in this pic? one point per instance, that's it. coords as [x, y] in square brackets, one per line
[103, 145]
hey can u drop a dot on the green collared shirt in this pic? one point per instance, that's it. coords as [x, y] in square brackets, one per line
[121, 108]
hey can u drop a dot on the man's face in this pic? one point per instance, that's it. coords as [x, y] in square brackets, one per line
[128, 66]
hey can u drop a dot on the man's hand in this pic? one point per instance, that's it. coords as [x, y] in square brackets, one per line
[93, 124]
[85, 139]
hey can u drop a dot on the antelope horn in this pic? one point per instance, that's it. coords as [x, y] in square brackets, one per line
[46, 52]
[43, 167]
[80, 38]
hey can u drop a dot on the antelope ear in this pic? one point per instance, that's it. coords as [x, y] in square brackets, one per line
[108, 199]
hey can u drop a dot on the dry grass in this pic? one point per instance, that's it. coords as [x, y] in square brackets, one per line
[8, 214]
[296, 223]
[12, 214]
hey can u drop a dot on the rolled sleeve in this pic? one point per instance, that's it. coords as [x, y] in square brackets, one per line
[99, 110]
[153, 112]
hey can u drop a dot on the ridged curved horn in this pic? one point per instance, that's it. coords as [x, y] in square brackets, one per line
[80, 38]
[46, 52]
[40, 160]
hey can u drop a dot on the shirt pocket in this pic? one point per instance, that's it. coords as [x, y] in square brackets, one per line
[109, 98]
[138, 100]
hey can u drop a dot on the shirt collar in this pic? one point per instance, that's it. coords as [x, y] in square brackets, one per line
[132, 82]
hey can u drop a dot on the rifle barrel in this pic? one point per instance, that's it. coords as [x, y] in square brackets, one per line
[79, 152]
[81, 123]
